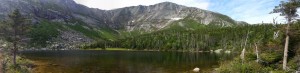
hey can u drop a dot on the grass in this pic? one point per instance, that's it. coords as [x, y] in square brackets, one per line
[108, 34]
[186, 24]
[23, 65]
[238, 66]
[127, 34]
[96, 34]
[111, 49]
[88, 32]
[117, 49]
[269, 64]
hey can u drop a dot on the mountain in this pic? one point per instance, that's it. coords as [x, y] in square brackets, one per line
[89, 24]
[129, 18]
[160, 15]
[54, 10]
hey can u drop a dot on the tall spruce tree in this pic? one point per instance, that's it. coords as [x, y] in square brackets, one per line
[287, 9]
[14, 31]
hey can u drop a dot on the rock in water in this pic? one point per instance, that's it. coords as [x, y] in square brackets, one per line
[196, 69]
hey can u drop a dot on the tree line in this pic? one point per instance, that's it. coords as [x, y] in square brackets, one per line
[203, 39]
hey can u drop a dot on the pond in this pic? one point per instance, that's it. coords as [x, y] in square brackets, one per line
[92, 61]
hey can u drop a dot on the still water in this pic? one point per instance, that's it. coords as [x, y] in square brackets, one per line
[89, 61]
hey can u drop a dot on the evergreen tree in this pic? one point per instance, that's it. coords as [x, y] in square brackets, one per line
[14, 31]
[287, 9]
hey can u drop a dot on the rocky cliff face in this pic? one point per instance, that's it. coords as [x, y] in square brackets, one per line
[158, 16]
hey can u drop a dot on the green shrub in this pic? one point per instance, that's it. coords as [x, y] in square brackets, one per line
[279, 71]
[250, 56]
[237, 66]
[292, 64]
[43, 32]
[271, 57]
[21, 67]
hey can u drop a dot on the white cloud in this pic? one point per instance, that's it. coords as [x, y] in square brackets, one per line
[267, 18]
[258, 11]
[113, 4]
[251, 11]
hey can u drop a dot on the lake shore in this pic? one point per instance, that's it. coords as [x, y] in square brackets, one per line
[125, 49]
[145, 50]
[112, 49]
[91, 61]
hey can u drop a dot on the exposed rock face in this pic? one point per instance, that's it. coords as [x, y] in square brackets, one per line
[160, 15]
[70, 40]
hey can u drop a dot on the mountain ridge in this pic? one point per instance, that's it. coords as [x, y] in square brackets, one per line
[166, 12]
[92, 23]
[119, 18]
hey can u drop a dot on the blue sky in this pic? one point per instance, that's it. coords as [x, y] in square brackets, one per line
[251, 11]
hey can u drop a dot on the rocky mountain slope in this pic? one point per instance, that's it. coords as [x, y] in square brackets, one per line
[54, 10]
[100, 24]
[160, 15]
[129, 18]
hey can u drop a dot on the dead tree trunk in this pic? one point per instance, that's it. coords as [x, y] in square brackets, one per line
[243, 54]
[244, 49]
[285, 56]
[256, 51]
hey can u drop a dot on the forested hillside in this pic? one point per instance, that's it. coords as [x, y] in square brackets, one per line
[260, 45]
[189, 35]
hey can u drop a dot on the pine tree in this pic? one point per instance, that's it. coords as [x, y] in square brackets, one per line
[15, 31]
[287, 9]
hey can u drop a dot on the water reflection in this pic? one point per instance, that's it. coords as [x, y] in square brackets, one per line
[122, 61]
